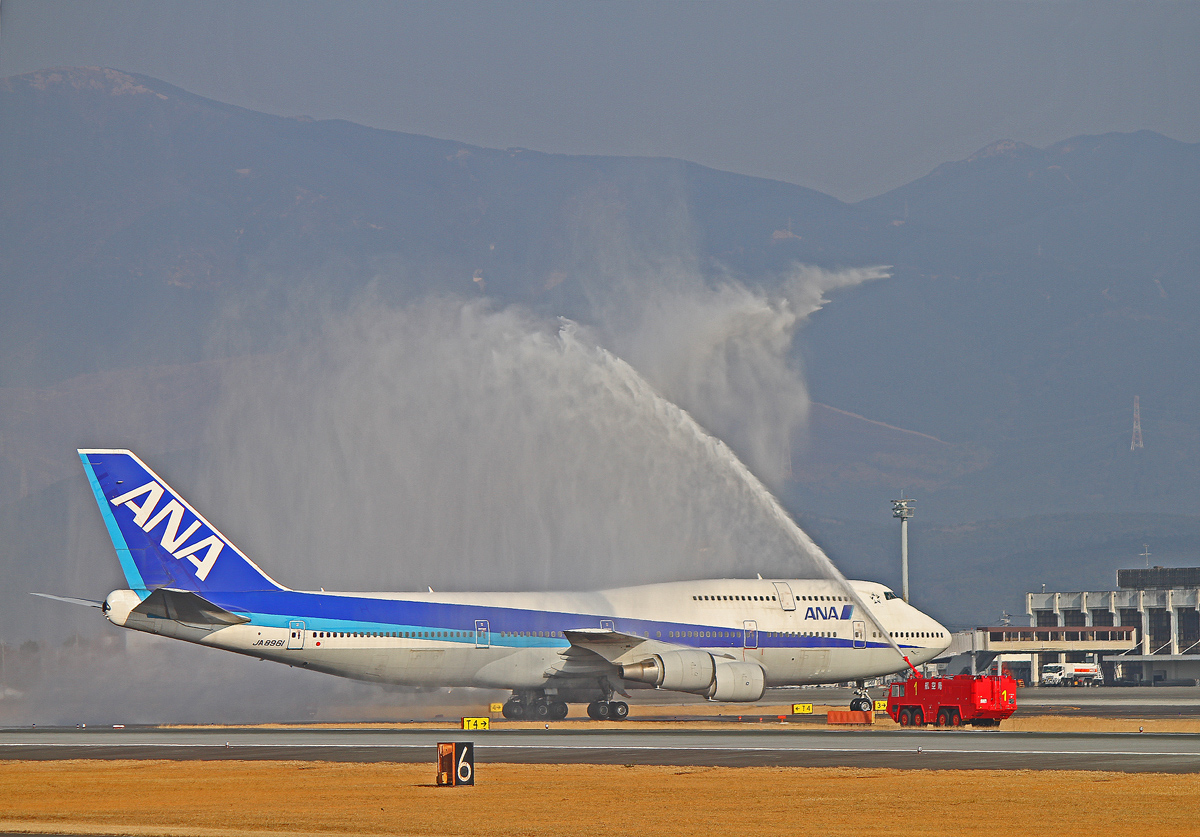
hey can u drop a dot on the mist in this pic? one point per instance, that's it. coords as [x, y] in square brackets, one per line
[456, 444]
[439, 442]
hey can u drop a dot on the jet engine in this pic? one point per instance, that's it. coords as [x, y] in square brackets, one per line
[678, 671]
[737, 682]
[699, 673]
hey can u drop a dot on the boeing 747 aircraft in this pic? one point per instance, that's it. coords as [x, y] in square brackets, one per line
[724, 639]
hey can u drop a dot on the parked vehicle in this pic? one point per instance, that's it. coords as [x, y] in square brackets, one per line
[1071, 674]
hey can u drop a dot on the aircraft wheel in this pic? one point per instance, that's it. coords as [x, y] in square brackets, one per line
[598, 710]
[514, 710]
[558, 710]
[542, 710]
[618, 710]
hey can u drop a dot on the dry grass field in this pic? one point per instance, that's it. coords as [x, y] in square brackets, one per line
[196, 799]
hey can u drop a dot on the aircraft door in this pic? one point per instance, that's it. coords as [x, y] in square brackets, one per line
[749, 634]
[607, 625]
[483, 634]
[295, 635]
[860, 634]
[784, 593]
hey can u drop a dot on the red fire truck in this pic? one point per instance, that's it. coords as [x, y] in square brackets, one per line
[982, 701]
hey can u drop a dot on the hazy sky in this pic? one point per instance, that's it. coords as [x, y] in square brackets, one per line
[851, 98]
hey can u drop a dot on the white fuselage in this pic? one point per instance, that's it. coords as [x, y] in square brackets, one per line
[800, 631]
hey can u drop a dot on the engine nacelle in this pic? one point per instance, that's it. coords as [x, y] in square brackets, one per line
[679, 671]
[118, 606]
[737, 682]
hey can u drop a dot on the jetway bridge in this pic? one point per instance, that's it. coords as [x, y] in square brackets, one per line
[976, 650]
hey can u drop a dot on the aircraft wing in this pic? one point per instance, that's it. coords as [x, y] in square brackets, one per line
[616, 647]
[599, 652]
[609, 644]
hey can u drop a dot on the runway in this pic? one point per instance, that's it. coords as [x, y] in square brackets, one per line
[786, 745]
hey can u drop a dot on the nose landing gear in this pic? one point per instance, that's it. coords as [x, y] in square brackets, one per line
[861, 702]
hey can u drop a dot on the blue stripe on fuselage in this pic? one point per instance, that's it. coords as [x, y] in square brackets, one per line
[354, 614]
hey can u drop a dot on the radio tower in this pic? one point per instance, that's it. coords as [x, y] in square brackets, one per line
[1137, 426]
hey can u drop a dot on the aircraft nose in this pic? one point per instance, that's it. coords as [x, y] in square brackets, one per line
[942, 641]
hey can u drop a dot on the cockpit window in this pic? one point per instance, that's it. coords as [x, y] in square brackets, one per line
[888, 595]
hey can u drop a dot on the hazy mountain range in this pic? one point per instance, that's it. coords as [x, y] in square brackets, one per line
[149, 236]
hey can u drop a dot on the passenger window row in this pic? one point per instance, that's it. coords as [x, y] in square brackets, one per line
[531, 633]
[559, 634]
[704, 634]
[767, 598]
[733, 598]
[802, 633]
[738, 634]
[395, 634]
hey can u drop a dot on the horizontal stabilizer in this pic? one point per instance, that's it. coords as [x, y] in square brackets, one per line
[188, 608]
[70, 600]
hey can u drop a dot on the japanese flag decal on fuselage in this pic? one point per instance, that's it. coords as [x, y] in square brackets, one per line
[160, 540]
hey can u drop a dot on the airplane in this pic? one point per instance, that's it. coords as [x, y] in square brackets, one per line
[722, 639]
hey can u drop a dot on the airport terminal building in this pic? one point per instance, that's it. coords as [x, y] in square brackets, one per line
[1145, 632]
[1159, 610]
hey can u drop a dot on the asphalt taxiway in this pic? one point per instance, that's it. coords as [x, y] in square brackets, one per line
[1112, 702]
[785, 745]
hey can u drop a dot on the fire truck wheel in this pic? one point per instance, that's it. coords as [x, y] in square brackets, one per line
[943, 718]
[955, 718]
[918, 718]
[905, 718]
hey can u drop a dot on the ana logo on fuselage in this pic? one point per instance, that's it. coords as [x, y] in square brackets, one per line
[172, 513]
[829, 612]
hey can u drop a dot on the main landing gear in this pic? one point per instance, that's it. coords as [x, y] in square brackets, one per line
[608, 710]
[539, 709]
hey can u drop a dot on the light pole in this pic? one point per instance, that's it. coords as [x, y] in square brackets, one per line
[903, 509]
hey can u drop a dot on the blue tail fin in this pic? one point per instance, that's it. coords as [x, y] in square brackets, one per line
[161, 541]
